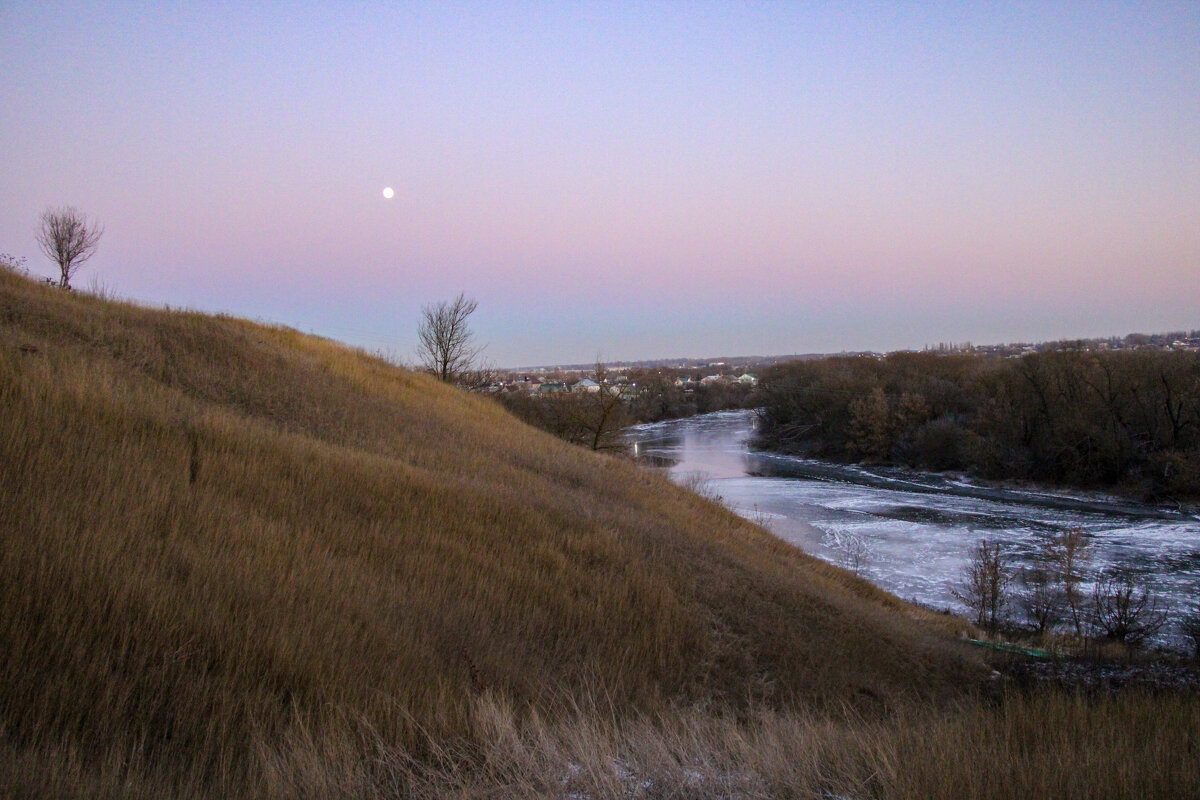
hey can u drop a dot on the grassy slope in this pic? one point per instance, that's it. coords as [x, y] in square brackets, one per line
[217, 534]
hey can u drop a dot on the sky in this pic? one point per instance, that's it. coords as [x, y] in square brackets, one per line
[621, 180]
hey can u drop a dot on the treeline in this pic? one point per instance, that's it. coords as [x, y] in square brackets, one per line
[1126, 420]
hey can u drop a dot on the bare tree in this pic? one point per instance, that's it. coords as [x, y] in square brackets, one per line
[985, 588]
[1044, 600]
[447, 345]
[1124, 610]
[68, 239]
[605, 414]
[1069, 553]
[593, 419]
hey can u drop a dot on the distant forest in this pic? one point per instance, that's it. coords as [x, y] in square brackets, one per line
[1128, 421]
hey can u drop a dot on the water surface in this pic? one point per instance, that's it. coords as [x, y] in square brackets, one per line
[913, 533]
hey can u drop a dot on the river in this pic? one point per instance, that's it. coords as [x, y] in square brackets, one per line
[913, 533]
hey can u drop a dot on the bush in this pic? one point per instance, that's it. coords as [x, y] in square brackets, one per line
[1123, 609]
[986, 585]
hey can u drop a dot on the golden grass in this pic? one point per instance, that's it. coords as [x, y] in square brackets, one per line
[1024, 746]
[236, 560]
[1064, 746]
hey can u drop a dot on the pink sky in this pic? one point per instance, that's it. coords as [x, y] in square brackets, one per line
[629, 181]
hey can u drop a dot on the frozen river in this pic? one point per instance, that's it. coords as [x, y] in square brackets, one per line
[913, 533]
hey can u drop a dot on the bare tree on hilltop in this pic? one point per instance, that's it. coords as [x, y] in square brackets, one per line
[68, 239]
[446, 343]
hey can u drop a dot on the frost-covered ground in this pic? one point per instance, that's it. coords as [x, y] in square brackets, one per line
[913, 533]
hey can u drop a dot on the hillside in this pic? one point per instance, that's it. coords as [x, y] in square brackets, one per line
[227, 546]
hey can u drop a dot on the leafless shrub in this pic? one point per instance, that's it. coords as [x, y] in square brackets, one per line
[1068, 555]
[1044, 600]
[986, 584]
[855, 551]
[1123, 609]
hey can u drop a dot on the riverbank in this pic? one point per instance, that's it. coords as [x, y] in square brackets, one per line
[1110, 677]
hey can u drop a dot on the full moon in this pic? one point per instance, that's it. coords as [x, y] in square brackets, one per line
[388, 194]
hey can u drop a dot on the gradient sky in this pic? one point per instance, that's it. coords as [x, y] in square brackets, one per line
[627, 181]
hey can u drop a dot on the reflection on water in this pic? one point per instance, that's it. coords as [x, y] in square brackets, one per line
[716, 447]
[913, 533]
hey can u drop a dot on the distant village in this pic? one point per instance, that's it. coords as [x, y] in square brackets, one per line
[1176, 340]
[627, 378]
[617, 380]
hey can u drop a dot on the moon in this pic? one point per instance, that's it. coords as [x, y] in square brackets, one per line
[388, 193]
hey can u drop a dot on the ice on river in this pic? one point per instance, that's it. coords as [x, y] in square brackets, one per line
[912, 533]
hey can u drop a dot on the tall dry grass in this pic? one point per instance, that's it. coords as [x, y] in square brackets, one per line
[240, 561]
[1022, 746]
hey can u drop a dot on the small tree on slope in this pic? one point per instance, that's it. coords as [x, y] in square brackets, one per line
[68, 239]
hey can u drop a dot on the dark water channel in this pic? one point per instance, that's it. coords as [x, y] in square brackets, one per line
[913, 533]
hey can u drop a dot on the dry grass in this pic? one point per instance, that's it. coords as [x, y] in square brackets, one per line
[1024, 746]
[240, 561]
[1049, 745]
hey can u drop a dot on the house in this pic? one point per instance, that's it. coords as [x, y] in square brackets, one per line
[686, 384]
[586, 386]
[748, 380]
[629, 391]
[524, 385]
